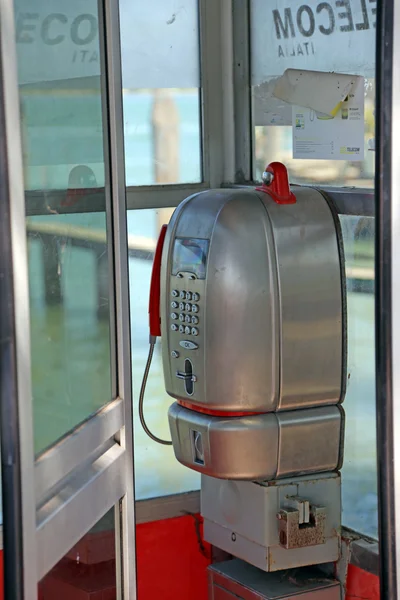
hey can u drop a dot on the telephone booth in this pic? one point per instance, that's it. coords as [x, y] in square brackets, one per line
[199, 274]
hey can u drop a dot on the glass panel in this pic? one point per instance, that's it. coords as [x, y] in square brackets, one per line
[319, 36]
[88, 570]
[359, 492]
[62, 123]
[161, 81]
[157, 472]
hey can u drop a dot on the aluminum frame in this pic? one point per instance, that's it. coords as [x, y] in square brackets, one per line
[211, 86]
[168, 507]
[125, 512]
[86, 497]
[387, 318]
[16, 395]
[242, 92]
[56, 463]
[348, 201]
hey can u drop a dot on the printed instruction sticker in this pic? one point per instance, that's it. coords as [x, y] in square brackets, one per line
[316, 135]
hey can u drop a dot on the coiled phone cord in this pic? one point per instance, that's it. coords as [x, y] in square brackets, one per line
[142, 393]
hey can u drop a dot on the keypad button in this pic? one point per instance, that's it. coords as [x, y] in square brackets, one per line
[181, 306]
[174, 316]
[195, 320]
[195, 308]
[188, 307]
[181, 329]
[188, 319]
[187, 330]
[195, 331]
[188, 295]
[181, 317]
[174, 327]
[195, 297]
[174, 293]
[174, 305]
[182, 295]
[188, 345]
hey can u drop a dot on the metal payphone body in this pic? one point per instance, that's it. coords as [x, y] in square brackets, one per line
[253, 316]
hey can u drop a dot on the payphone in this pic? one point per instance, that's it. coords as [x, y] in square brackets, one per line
[253, 323]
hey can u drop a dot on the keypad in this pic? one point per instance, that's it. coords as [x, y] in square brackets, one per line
[186, 311]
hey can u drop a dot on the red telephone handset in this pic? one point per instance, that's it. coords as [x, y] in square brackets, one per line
[155, 287]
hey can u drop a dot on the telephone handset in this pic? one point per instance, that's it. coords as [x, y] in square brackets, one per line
[155, 328]
[155, 287]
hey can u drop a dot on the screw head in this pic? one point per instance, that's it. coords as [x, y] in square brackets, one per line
[267, 177]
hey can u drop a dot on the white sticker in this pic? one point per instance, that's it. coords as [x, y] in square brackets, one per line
[319, 136]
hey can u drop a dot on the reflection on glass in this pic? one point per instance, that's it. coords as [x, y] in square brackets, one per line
[157, 472]
[70, 341]
[316, 37]
[64, 165]
[161, 81]
[88, 570]
[359, 490]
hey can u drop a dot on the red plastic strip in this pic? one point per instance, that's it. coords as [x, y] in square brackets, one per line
[216, 413]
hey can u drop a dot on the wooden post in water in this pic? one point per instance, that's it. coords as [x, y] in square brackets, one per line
[52, 270]
[102, 278]
[165, 134]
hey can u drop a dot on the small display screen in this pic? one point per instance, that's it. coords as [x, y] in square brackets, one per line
[190, 256]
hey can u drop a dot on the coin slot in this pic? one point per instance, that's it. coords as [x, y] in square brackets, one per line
[197, 446]
[189, 377]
